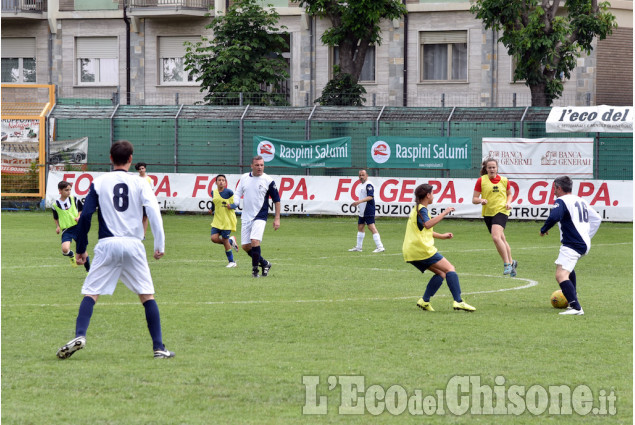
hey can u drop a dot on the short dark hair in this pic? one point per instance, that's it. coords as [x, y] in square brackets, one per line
[120, 152]
[221, 175]
[139, 165]
[256, 158]
[565, 183]
[63, 185]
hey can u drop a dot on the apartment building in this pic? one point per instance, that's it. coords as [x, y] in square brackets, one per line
[131, 52]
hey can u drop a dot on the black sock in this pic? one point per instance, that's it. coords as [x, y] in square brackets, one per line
[572, 279]
[154, 324]
[70, 254]
[87, 263]
[84, 315]
[255, 256]
[570, 294]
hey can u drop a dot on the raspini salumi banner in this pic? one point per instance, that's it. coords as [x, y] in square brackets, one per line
[319, 153]
[541, 158]
[449, 153]
[532, 199]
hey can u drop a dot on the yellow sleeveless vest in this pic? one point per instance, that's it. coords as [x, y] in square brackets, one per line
[496, 195]
[417, 244]
[224, 219]
[66, 218]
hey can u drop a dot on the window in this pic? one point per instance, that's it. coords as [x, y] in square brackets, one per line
[18, 60]
[443, 56]
[97, 60]
[368, 69]
[172, 61]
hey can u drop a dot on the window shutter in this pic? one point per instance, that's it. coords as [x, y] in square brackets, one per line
[442, 37]
[18, 47]
[172, 47]
[97, 47]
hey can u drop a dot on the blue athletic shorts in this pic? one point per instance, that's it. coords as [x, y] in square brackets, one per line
[423, 265]
[69, 234]
[223, 233]
[367, 219]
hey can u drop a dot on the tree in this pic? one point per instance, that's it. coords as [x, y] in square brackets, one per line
[354, 27]
[244, 56]
[342, 90]
[545, 38]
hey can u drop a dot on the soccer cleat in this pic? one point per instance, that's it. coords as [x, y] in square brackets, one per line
[463, 306]
[231, 264]
[514, 265]
[233, 243]
[265, 269]
[254, 272]
[507, 269]
[71, 346]
[163, 354]
[355, 249]
[379, 250]
[73, 261]
[572, 312]
[424, 305]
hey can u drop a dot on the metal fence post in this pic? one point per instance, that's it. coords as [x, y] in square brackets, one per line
[443, 100]
[514, 99]
[241, 132]
[112, 128]
[176, 139]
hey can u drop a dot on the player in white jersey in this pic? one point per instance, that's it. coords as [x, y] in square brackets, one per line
[366, 207]
[119, 254]
[578, 222]
[253, 192]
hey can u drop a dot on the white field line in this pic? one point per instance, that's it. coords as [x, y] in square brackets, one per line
[529, 283]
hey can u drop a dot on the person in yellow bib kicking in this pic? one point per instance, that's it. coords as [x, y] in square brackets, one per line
[492, 191]
[224, 218]
[419, 250]
[66, 212]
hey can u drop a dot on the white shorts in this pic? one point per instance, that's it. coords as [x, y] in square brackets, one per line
[118, 258]
[568, 258]
[253, 229]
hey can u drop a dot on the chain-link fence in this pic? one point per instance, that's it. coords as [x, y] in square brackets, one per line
[212, 139]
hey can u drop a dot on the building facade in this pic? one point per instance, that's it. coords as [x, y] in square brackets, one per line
[131, 52]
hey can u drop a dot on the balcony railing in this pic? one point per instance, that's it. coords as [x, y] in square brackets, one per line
[26, 6]
[189, 4]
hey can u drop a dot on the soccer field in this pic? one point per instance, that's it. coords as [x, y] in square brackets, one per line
[330, 336]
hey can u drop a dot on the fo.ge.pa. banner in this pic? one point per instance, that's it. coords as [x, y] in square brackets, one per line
[450, 153]
[532, 199]
[585, 119]
[541, 158]
[304, 154]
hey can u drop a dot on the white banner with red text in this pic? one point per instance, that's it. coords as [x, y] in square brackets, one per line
[311, 195]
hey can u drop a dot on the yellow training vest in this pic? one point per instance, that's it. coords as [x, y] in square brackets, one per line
[417, 244]
[224, 219]
[66, 218]
[496, 195]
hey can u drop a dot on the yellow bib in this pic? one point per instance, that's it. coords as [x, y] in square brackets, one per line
[417, 244]
[224, 218]
[496, 195]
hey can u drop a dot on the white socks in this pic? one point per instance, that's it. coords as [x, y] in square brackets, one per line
[377, 240]
[360, 239]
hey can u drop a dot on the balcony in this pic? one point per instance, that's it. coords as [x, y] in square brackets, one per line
[169, 8]
[23, 8]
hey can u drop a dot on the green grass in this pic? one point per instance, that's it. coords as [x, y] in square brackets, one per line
[243, 345]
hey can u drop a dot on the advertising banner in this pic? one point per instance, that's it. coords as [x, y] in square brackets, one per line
[64, 152]
[20, 145]
[541, 158]
[449, 153]
[587, 119]
[307, 195]
[332, 153]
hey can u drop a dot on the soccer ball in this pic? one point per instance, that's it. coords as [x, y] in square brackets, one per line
[558, 300]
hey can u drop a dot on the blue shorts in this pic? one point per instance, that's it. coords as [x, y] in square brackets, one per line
[69, 234]
[223, 233]
[423, 265]
[367, 219]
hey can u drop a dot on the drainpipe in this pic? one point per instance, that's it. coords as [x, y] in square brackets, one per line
[405, 56]
[127, 21]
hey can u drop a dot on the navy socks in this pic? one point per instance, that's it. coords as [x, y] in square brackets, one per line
[433, 286]
[453, 283]
[568, 289]
[84, 315]
[154, 324]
